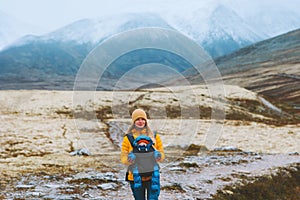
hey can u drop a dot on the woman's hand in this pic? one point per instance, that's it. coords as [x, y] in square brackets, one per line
[131, 157]
[157, 155]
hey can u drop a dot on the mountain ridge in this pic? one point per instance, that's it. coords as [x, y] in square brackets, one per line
[270, 67]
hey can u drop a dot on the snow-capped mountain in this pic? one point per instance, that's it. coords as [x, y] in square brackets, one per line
[220, 32]
[96, 29]
[219, 28]
[61, 52]
[229, 22]
[91, 31]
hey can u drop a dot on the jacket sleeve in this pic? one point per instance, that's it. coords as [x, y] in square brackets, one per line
[159, 147]
[125, 149]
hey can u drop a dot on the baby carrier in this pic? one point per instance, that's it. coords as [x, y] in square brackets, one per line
[145, 163]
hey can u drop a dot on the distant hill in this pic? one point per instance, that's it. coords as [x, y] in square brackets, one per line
[271, 68]
[282, 49]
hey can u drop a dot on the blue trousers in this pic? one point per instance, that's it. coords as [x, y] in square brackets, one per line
[140, 193]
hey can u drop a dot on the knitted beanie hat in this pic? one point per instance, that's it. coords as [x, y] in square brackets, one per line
[138, 113]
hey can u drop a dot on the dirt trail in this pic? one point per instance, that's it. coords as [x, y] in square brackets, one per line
[102, 176]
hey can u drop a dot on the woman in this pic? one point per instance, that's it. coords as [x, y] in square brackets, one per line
[138, 140]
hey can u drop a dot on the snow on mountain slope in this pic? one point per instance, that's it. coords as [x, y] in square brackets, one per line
[223, 19]
[92, 31]
[216, 28]
[95, 30]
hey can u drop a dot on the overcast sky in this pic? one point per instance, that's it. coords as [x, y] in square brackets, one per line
[52, 14]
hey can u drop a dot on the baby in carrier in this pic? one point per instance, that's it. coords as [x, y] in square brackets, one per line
[145, 164]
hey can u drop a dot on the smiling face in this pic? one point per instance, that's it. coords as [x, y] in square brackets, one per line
[140, 123]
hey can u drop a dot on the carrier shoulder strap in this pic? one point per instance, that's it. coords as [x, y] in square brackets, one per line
[130, 138]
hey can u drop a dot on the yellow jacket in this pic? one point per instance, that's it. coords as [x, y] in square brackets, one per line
[126, 148]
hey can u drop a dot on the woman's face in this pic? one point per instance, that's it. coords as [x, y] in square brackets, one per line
[140, 123]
